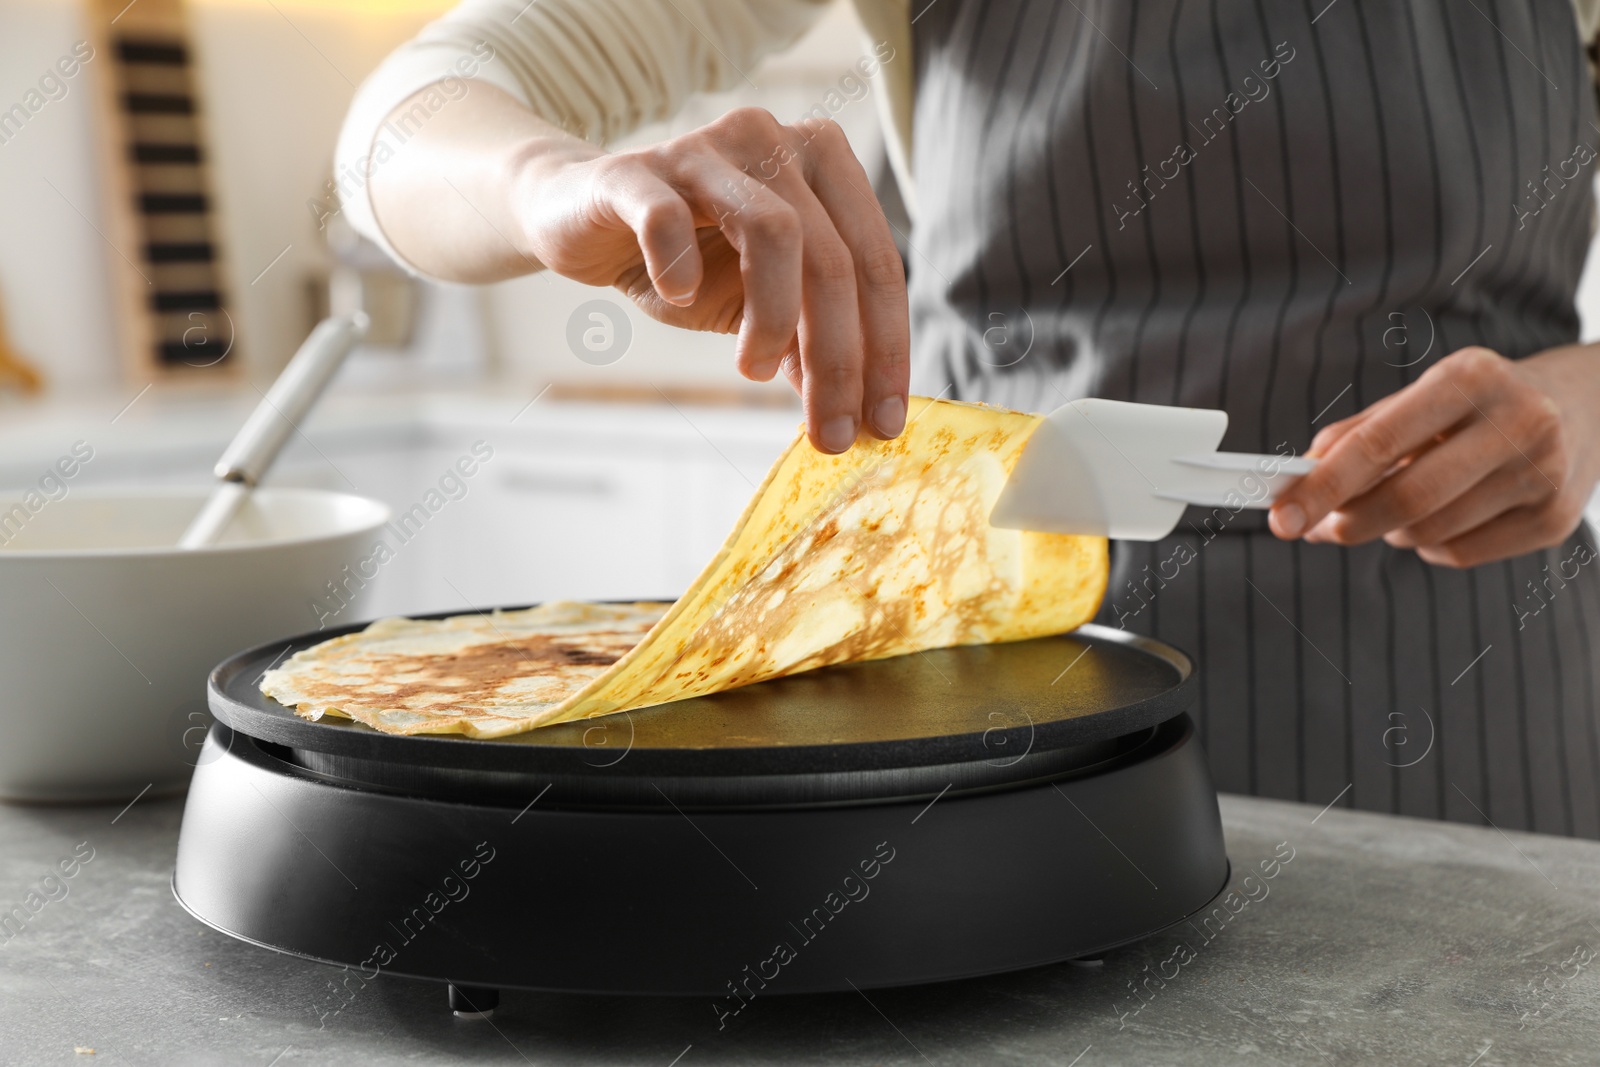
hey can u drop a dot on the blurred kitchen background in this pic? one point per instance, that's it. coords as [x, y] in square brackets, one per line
[168, 238]
[146, 334]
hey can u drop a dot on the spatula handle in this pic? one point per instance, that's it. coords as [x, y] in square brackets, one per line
[1272, 473]
[1266, 466]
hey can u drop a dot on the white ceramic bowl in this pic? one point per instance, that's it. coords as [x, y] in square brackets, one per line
[107, 631]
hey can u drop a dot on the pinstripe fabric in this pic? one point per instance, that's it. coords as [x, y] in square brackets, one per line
[1288, 211]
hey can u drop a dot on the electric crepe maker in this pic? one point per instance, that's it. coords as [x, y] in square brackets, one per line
[934, 816]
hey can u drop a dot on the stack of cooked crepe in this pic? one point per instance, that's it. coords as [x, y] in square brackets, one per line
[883, 551]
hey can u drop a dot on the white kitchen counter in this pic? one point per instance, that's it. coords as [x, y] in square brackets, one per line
[584, 500]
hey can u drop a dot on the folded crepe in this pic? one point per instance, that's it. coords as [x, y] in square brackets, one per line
[883, 551]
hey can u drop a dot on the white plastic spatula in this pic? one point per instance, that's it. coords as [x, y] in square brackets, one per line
[1113, 469]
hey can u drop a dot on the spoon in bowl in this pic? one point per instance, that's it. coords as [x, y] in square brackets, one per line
[256, 446]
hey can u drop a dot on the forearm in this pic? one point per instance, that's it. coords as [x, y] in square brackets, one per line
[447, 199]
[489, 71]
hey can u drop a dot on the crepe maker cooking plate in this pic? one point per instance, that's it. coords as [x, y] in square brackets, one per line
[1014, 805]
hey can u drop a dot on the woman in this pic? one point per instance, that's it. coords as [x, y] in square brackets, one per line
[1355, 226]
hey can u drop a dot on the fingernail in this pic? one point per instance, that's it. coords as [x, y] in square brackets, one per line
[1291, 520]
[838, 434]
[890, 415]
[684, 298]
[1323, 533]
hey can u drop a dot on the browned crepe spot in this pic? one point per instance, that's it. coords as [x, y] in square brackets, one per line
[474, 672]
[481, 674]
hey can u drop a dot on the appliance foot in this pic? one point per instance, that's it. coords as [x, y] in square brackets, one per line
[1089, 961]
[472, 1001]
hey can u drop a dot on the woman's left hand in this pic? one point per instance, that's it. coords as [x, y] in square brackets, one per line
[1479, 459]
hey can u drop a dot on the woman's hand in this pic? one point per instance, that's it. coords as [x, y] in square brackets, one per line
[744, 226]
[1479, 459]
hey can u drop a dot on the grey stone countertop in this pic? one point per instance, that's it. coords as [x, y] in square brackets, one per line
[1382, 940]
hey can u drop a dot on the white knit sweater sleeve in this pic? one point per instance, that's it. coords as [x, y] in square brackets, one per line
[597, 68]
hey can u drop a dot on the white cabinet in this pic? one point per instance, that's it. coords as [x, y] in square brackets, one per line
[576, 528]
[601, 511]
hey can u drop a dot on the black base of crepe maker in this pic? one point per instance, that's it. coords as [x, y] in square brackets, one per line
[787, 859]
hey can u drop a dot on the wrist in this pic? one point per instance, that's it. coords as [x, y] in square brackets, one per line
[1570, 376]
[532, 166]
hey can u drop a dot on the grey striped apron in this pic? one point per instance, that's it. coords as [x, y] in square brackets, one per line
[1285, 210]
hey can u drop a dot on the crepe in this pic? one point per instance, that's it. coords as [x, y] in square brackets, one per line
[883, 551]
[483, 675]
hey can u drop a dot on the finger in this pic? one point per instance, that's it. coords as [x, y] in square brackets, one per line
[1335, 431]
[792, 370]
[844, 191]
[662, 223]
[1514, 533]
[830, 333]
[829, 329]
[1404, 423]
[1332, 432]
[1322, 532]
[1438, 476]
[717, 301]
[766, 232]
[1512, 486]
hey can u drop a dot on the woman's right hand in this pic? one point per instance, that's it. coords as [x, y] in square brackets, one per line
[744, 226]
